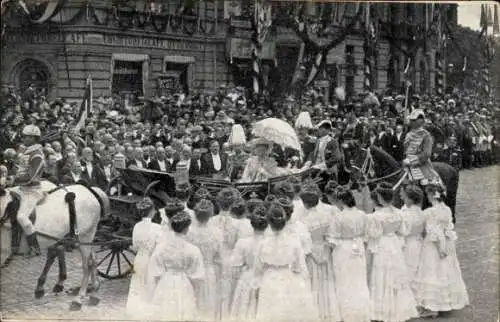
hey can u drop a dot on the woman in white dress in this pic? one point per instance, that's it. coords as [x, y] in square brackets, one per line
[413, 228]
[298, 206]
[285, 195]
[439, 283]
[261, 166]
[144, 238]
[244, 302]
[390, 293]
[279, 269]
[349, 262]
[230, 228]
[208, 239]
[175, 274]
[319, 262]
[173, 206]
[295, 227]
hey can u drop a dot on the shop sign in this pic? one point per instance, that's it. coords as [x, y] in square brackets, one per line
[242, 48]
[99, 39]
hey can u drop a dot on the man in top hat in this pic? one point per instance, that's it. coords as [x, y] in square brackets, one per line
[326, 155]
[418, 150]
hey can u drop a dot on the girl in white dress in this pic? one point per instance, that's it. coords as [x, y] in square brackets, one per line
[349, 262]
[390, 293]
[298, 206]
[439, 282]
[144, 237]
[175, 274]
[173, 206]
[413, 228]
[278, 270]
[285, 195]
[319, 262]
[244, 302]
[208, 239]
[230, 228]
[295, 227]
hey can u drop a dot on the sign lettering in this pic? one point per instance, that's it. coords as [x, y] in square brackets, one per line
[95, 38]
[242, 48]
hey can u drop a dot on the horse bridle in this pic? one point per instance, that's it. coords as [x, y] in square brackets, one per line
[367, 168]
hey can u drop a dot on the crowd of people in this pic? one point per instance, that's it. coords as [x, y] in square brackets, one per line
[302, 253]
[299, 254]
[158, 133]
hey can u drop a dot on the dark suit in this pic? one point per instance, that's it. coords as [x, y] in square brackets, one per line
[308, 145]
[207, 167]
[169, 167]
[194, 168]
[95, 179]
[398, 149]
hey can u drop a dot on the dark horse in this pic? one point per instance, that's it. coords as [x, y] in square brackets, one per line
[385, 168]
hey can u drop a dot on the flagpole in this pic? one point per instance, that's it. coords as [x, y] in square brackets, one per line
[407, 91]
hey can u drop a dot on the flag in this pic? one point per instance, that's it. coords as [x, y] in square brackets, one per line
[25, 8]
[407, 68]
[440, 75]
[490, 17]
[483, 22]
[85, 107]
[315, 68]
[496, 23]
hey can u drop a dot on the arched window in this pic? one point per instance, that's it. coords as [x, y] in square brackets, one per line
[423, 78]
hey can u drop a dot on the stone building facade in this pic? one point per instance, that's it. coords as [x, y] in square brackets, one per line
[135, 50]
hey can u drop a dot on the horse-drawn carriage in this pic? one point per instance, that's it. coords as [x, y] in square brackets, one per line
[114, 234]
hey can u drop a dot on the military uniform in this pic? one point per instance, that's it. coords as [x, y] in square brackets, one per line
[418, 150]
[30, 170]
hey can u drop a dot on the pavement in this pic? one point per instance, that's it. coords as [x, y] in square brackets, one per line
[477, 227]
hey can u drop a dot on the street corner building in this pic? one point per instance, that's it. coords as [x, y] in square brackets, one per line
[150, 48]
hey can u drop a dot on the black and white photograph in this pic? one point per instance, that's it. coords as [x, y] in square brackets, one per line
[249, 160]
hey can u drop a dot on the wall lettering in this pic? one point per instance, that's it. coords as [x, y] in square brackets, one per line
[96, 39]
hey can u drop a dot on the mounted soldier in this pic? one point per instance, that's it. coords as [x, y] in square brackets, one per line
[418, 150]
[27, 180]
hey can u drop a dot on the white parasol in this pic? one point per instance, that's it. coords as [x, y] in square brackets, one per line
[277, 131]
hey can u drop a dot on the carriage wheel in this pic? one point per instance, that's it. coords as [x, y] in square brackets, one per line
[115, 261]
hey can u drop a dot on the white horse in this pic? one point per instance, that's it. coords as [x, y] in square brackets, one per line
[52, 224]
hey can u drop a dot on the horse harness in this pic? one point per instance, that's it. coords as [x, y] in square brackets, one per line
[71, 239]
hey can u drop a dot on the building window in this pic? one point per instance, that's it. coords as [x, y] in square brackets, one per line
[349, 86]
[350, 60]
[127, 77]
[350, 69]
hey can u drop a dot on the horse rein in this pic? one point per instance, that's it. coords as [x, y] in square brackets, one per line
[367, 167]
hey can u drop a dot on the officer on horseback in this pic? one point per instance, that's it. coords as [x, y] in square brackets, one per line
[418, 150]
[27, 180]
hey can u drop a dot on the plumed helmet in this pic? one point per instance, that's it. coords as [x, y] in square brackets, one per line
[31, 130]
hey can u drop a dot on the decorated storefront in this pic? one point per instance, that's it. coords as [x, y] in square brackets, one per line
[138, 50]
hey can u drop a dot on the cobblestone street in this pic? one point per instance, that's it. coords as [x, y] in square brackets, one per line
[477, 228]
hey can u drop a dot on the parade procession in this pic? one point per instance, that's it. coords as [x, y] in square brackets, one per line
[249, 160]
